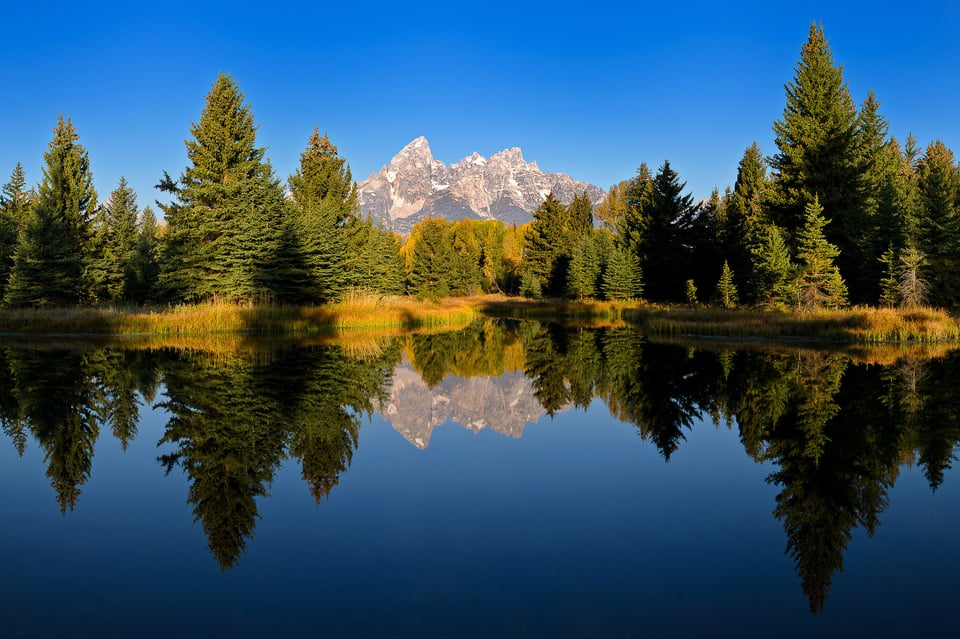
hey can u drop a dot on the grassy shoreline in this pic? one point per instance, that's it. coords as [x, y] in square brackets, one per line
[378, 315]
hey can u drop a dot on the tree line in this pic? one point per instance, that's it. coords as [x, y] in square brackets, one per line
[841, 213]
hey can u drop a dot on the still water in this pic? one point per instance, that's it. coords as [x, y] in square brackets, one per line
[506, 480]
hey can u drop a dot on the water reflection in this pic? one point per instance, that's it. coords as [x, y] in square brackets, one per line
[835, 428]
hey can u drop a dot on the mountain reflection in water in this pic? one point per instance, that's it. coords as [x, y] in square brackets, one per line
[834, 428]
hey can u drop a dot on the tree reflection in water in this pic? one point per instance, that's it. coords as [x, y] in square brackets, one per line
[835, 429]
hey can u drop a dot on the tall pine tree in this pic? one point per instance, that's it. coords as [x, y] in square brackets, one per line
[227, 224]
[48, 263]
[819, 154]
[820, 284]
[323, 200]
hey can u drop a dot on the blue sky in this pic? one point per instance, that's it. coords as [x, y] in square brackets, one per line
[590, 89]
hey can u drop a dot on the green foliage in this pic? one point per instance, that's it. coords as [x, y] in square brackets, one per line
[938, 224]
[546, 253]
[15, 202]
[690, 292]
[819, 283]
[114, 243]
[48, 261]
[584, 273]
[323, 202]
[889, 284]
[145, 263]
[726, 288]
[622, 279]
[663, 228]
[226, 227]
[773, 272]
[431, 259]
[820, 154]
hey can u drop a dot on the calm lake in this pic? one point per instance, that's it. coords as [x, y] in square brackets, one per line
[509, 480]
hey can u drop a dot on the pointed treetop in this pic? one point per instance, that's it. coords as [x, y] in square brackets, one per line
[223, 148]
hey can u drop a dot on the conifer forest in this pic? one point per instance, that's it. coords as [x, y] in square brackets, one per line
[840, 213]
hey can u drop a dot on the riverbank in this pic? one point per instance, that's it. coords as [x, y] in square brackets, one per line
[858, 324]
[376, 314]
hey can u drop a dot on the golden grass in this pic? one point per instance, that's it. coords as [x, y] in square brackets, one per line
[371, 315]
[356, 313]
[860, 324]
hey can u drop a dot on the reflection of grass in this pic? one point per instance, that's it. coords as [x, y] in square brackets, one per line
[587, 312]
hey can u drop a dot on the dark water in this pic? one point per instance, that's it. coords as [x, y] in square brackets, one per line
[507, 480]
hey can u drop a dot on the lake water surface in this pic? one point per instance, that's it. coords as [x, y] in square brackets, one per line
[511, 479]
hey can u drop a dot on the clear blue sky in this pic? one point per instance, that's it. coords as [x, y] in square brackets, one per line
[591, 89]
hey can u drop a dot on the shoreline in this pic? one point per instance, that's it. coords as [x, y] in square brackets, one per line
[373, 314]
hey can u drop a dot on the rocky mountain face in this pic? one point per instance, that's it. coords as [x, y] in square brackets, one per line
[505, 404]
[415, 186]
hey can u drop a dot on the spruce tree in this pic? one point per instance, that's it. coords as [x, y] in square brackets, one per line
[15, 198]
[747, 214]
[226, 225]
[14, 206]
[819, 284]
[48, 264]
[145, 267]
[584, 270]
[938, 223]
[726, 287]
[622, 279]
[666, 232]
[114, 244]
[818, 153]
[772, 271]
[323, 200]
[431, 258]
[545, 256]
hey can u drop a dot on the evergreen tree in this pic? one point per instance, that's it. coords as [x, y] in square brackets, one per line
[580, 214]
[431, 258]
[727, 288]
[374, 256]
[145, 265]
[746, 214]
[819, 284]
[545, 254]
[114, 244]
[48, 262]
[14, 206]
[773, 272]
[938, 225]
[638, 194]
[622, 279]
[226, 226]
[666, 228]
[584, 270]
[324, 200]
[889, 284]
[15, 198]
[819, 154]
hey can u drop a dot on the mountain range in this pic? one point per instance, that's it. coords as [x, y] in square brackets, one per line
[415, 186]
